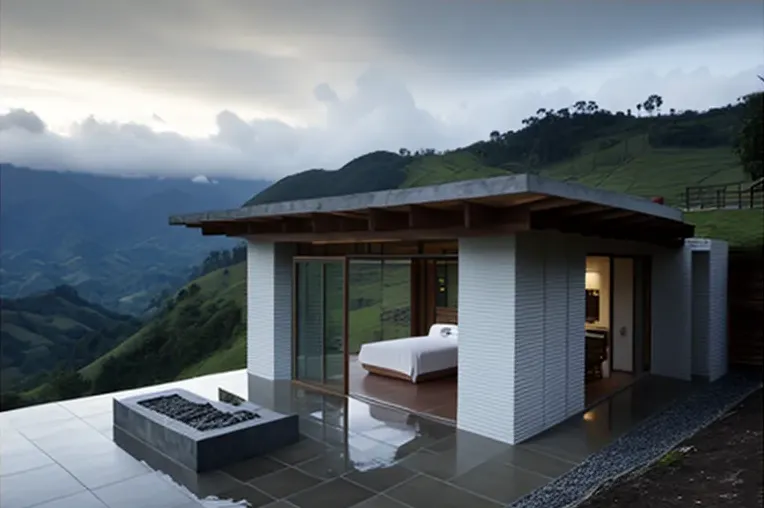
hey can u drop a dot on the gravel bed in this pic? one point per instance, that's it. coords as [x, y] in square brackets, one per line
[644, 444]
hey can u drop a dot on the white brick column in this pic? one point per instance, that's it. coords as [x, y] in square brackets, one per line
[718, 361]
[486, 385]
[710, 259]
[269, 309]
[521, 333]
[671, 338]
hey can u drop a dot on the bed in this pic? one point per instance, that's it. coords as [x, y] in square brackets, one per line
[414, 359]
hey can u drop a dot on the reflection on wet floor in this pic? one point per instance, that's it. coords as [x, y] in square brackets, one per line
[351, 454]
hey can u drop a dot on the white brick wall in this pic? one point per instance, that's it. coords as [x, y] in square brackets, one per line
[700, 313]
[269, 309]
[576, 344]
[717, 332]
[521, 333]
[671, 341]
[486, 336]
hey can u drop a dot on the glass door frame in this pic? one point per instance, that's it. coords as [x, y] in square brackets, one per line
[422, 295]
[416, 290]
[323, 385]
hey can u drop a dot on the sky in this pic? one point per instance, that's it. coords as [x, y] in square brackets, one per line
[263, 89]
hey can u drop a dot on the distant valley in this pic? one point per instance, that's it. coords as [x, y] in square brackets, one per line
[107, 237]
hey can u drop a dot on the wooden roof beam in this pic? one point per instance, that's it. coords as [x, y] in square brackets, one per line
[385, 220]
[477, 216]
[327, 223]
[430, 218]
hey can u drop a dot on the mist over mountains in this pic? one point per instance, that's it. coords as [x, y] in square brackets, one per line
[106, 236]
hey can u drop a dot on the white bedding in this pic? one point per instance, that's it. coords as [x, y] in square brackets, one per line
[414, 356]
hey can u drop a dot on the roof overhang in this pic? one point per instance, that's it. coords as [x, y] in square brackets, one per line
[502, 205]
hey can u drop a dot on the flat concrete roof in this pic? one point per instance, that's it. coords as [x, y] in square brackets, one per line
[480, 189]
[491, 206]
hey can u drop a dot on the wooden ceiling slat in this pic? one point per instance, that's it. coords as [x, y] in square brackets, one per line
[449, 220]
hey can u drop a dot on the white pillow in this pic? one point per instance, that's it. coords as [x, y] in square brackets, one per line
[444, 330]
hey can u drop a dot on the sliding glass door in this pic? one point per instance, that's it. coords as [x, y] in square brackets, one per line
[379, 301]
[320, 323]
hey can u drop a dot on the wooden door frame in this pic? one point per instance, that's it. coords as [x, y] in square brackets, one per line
[321, 386]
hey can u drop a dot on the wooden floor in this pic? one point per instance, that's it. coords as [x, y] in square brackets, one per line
[439, 398]
[436, 398]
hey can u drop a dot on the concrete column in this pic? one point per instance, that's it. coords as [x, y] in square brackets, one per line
[718, 275]
[521, 334]
[708, 304]
[269, 309]
[671, 339]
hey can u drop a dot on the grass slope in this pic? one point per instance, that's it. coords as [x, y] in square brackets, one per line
[743, 229]
[55, 329]
[215, 288]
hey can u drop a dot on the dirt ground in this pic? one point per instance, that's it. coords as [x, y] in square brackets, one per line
[721, 466]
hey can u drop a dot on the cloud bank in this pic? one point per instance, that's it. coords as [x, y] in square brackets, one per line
[380, 114]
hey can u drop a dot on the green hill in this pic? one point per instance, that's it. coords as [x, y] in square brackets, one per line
[646, 156]
[55, 330]
[201, 329]
[201, 318]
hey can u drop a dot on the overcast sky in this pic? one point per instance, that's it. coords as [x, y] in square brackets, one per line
[261, 89]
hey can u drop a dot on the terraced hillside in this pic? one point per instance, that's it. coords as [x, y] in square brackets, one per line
[52, 330]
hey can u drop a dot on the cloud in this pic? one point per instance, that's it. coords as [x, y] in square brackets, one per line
[23, 120]
[268, 55]
[380, 113]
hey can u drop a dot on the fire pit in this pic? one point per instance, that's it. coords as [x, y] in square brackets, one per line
[199, 416]
[202, 434]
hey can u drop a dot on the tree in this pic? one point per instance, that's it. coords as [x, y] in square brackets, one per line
[404, 152]
[749, 143]
[495, 136]
[69, 384]
[639, 109]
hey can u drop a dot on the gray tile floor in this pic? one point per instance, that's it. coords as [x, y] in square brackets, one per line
[352, 454]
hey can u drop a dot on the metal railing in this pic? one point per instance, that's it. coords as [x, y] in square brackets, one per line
[736, 196]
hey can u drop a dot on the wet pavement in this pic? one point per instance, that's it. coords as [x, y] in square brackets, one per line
[352, 454]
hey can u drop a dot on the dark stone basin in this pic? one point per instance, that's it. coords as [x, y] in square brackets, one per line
[201, 434]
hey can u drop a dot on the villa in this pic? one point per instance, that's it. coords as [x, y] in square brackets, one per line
[504, 305]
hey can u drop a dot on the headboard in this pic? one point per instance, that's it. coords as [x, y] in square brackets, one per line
[447, 315]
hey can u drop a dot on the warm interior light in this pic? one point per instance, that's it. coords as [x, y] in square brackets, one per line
[589, 416]
[592, 280]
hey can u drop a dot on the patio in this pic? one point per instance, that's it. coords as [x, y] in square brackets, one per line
[353, 454]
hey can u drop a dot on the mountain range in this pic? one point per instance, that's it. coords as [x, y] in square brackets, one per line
[105, 236]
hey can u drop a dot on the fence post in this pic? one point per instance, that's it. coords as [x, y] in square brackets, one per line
[740, 195]
[686, 198]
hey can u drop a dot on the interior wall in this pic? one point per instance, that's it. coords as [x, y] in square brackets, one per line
[622, 329]
[598, 277]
